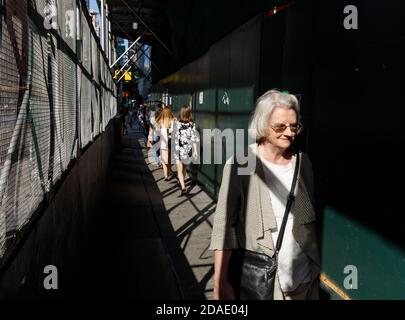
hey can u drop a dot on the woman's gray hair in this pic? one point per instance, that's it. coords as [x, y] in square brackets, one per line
[265, 104]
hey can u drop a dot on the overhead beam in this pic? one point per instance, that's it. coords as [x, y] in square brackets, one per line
[124, 10]
[144, 23]
[126, 35]
[129, 18]
[154, 4]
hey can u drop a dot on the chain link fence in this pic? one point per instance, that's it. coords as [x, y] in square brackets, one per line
[56, 95]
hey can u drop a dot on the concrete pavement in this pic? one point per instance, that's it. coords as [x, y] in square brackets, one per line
[158, 240]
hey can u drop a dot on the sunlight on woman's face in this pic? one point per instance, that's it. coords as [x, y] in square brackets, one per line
[277, 136]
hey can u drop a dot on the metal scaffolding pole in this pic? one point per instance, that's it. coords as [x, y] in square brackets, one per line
[130, 38]
[126, 71]
[129, 48]
[129, 60]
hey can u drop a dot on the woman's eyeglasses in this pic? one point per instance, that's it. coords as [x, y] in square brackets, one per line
[280, 127]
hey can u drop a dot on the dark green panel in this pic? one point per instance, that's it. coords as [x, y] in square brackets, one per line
[233, 122]
[175, 102]
[205, 100]
[155, 96]
[209, 171]
[178, 101]
[235, 99]
[192, 102]
[206, 121]
[380, 264]
[207, 183]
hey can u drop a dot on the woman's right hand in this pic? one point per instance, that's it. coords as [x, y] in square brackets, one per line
[223, 291]
[222, 288]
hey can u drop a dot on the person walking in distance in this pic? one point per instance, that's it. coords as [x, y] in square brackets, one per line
[153, 136]
[164, 126]
[185, 144]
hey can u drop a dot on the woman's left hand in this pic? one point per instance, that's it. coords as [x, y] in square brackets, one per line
[223, 291]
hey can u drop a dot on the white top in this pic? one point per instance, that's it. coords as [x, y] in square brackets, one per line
[294, 266]
[164, 134]
[152, 119]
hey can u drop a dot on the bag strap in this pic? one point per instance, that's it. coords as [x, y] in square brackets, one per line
[290, 200]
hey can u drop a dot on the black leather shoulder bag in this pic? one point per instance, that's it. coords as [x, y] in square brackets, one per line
[252, 274]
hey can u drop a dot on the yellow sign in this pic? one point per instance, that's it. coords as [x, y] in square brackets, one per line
[128, 76]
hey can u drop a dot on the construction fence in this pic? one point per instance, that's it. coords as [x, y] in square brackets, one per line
[56, 95]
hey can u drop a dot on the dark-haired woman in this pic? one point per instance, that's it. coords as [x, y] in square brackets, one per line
[185, 139]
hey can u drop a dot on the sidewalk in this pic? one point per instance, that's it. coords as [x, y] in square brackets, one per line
[190, 218]
[159, 240]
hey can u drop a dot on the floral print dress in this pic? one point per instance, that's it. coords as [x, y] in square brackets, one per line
[184, 136]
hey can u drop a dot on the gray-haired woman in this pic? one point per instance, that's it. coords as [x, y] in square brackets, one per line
[250, 208]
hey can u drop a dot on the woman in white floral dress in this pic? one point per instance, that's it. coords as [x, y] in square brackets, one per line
[185, 139]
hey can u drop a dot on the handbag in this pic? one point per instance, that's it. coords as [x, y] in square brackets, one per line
[252, 274]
